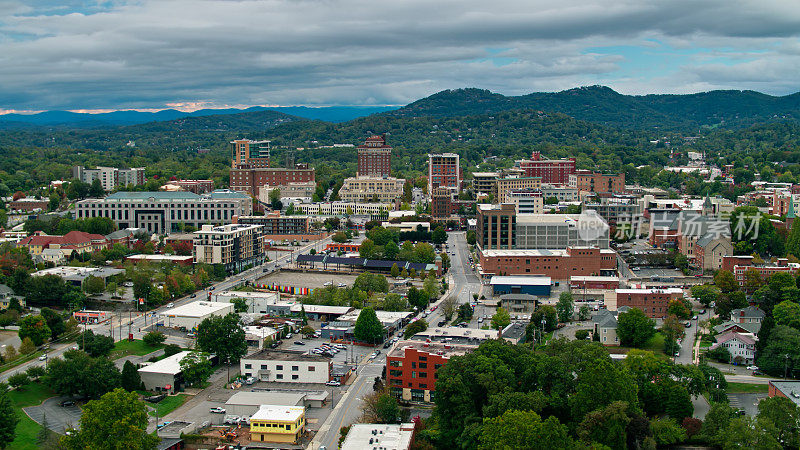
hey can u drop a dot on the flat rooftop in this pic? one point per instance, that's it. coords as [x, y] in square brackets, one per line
[170, 365]
[650, 291]
[197, 309]
[278, 413]
[440, 333]
[386, 317]
[438, 348]
[321, 309]
[285, 355]
[791, 389]
[388, 437]
[492, 253]
[592, 278]
[520, 280]
[266, 398]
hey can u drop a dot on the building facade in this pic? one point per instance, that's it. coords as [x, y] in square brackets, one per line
[164, 212]
[411, 368]
[375, 158]
[276, 224]
[286, 367]
[508, 184]
[598, 183]
[654, 302]
[371, 188]
[484, 182]
[549, 170]
[110, 177]
[345, 208]
[250, 153]
[248, 180]
[526, 201]
[234, 245]
[277, 423]
[294, 192]
[444, 170]
[556, 264]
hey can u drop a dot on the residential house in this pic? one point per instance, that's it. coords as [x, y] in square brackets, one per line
[742, 346]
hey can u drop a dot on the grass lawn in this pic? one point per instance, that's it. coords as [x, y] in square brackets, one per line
[747, 388]
[135, 347]
[655, 343]
[704, 344]
[169, 404]
[28, 430]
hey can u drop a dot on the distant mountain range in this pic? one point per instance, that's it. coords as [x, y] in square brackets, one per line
[600, 104]
[117, 118]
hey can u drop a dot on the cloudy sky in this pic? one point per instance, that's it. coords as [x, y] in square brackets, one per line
[100, 55]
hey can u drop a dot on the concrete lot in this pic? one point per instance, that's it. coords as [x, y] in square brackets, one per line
[642, 272]
[59, 418]
[746, 402]
[306, 279]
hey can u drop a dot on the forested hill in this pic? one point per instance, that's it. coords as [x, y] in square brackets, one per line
[603, 105]
[255, 121]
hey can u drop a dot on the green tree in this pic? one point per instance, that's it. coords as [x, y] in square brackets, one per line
[8, 418]
[391, 250]
[584, 313]
[130, 379]
[196, 368]
[368, 328]
[154, 338]
[725, 281]
[35, 372]
[18, 380]
[667, 431]
[95, 345]
[54, 321]
[27, 347]
[606, 426]
[679, 309]
[747, 432]
[501, 319]
[35, 328]
[239, 305]
[368, 250]
[222, 336]
[705, 294]
[340, 237]
[394, 302]
[471, 237]
[787, 313]
[118, 420]
[439, 236]
[634, 328]
[171, 349]
[793, 240]
[371, 282]
[716, 423]
[783, 341]
[417, 298]
[79, 374]
[523, 430]
[547, 314]
[581, 335]
[93, 285]
[380, 407]
[784, 414]
[417, 326]
[96, 188]
[395, 271]
[565, 307]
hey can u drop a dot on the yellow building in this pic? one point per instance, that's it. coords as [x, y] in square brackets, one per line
[276, 423]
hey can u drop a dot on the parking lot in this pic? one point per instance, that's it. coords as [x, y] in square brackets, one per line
[306, 279]
[356, 352]
[657, 272]
[59, 418]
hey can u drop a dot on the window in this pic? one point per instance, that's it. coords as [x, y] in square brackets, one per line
[279, 367]
[248, 366]
[279, 376]
[423, 365]
[295, 377]
[295, 368]
[312, 368]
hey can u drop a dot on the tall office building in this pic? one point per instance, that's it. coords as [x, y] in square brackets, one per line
[375, 157]
[246, 153]
[549, 170]
[444, 170]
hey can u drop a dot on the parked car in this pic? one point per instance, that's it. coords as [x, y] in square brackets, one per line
[340, 346]
[299, 343]
[702, 311]
[244, 420]
[170, 305]
[387, 344]
[688, 324]
[193, 296]
[217, 410]
[66, 403]
[333, 383]
[341, 285]
[43, 357]
[155, 398]
[328, 283]
[441, 323]
[694, 318]
[250, 380]
[758, 372]
[231, 420]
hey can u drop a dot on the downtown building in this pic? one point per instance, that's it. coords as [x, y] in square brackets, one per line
[250, 153]
[235, 246]
[444, 170]
[166, 212]
[555, 171]
[597, 183]
[250, 179]
[412, 366]
[110, 177]
[375, 158]
[371, 189]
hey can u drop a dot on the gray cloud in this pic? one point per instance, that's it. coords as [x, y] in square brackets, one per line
[149, 53]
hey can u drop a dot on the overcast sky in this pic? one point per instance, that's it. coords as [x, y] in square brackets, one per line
[64, 54]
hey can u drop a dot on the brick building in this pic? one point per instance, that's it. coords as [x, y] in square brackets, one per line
[556, 264]
[247, 179]
[503, 186]
[588, 181]
[654, 302]
[375, 157]
[411, 367]
[28, 204]
[549, 170]
[444, 170]
[739, 264]
[441, 203]
[275, 224]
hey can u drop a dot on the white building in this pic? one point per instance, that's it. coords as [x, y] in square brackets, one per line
[292, 192]
[110, 177]
[742, 346]
[526, 201]
[342, 208]
[367, 188]
[286, 367]
[257, 301]
[164, 375]
[190, 315]
[384, 436]
[164, 212]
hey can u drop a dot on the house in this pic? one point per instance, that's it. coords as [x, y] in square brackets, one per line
[724, 327]
[164, 375]
[77, 241]
[518, 303]
[742, 346]
[604, 325]
[373, 435]
[276, 423]
[751, 314]
[6, 295]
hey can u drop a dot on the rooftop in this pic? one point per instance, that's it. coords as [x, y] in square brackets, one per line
[267, 398]
[285, 355]
[387, 437]
[791, 389]
[444, 333]
[199, 308]
[157, 195]
[169, 365]
[534, 252]
[439, 348]
[521, 280]
[278, 413]
[650, 291]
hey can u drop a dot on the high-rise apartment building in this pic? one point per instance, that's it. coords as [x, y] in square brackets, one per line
[250, 154]
[375, 157]
[110, 177]
[234, 245]
[550, 170]
[444, 170]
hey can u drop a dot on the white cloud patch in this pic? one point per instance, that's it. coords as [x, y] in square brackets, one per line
[146, 54]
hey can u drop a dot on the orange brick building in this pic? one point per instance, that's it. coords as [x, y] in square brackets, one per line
[556, 264]
[654, 302]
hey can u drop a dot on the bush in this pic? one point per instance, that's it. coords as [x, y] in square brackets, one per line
[18, 380]
[154, 338]
[35, 372]
[171, 349]
[582, 335]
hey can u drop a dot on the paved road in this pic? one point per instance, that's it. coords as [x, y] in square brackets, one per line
[59, 418]
[687, 343]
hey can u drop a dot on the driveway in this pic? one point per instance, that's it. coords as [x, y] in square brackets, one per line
[59, 418]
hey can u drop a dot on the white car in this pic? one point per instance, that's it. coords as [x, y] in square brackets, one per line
[43, 357]
[341, 285]
[170, 305]
[217, 410]
[340, 346]
[328, 283]
[333, 383]
[754, 367]
[231, 420]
